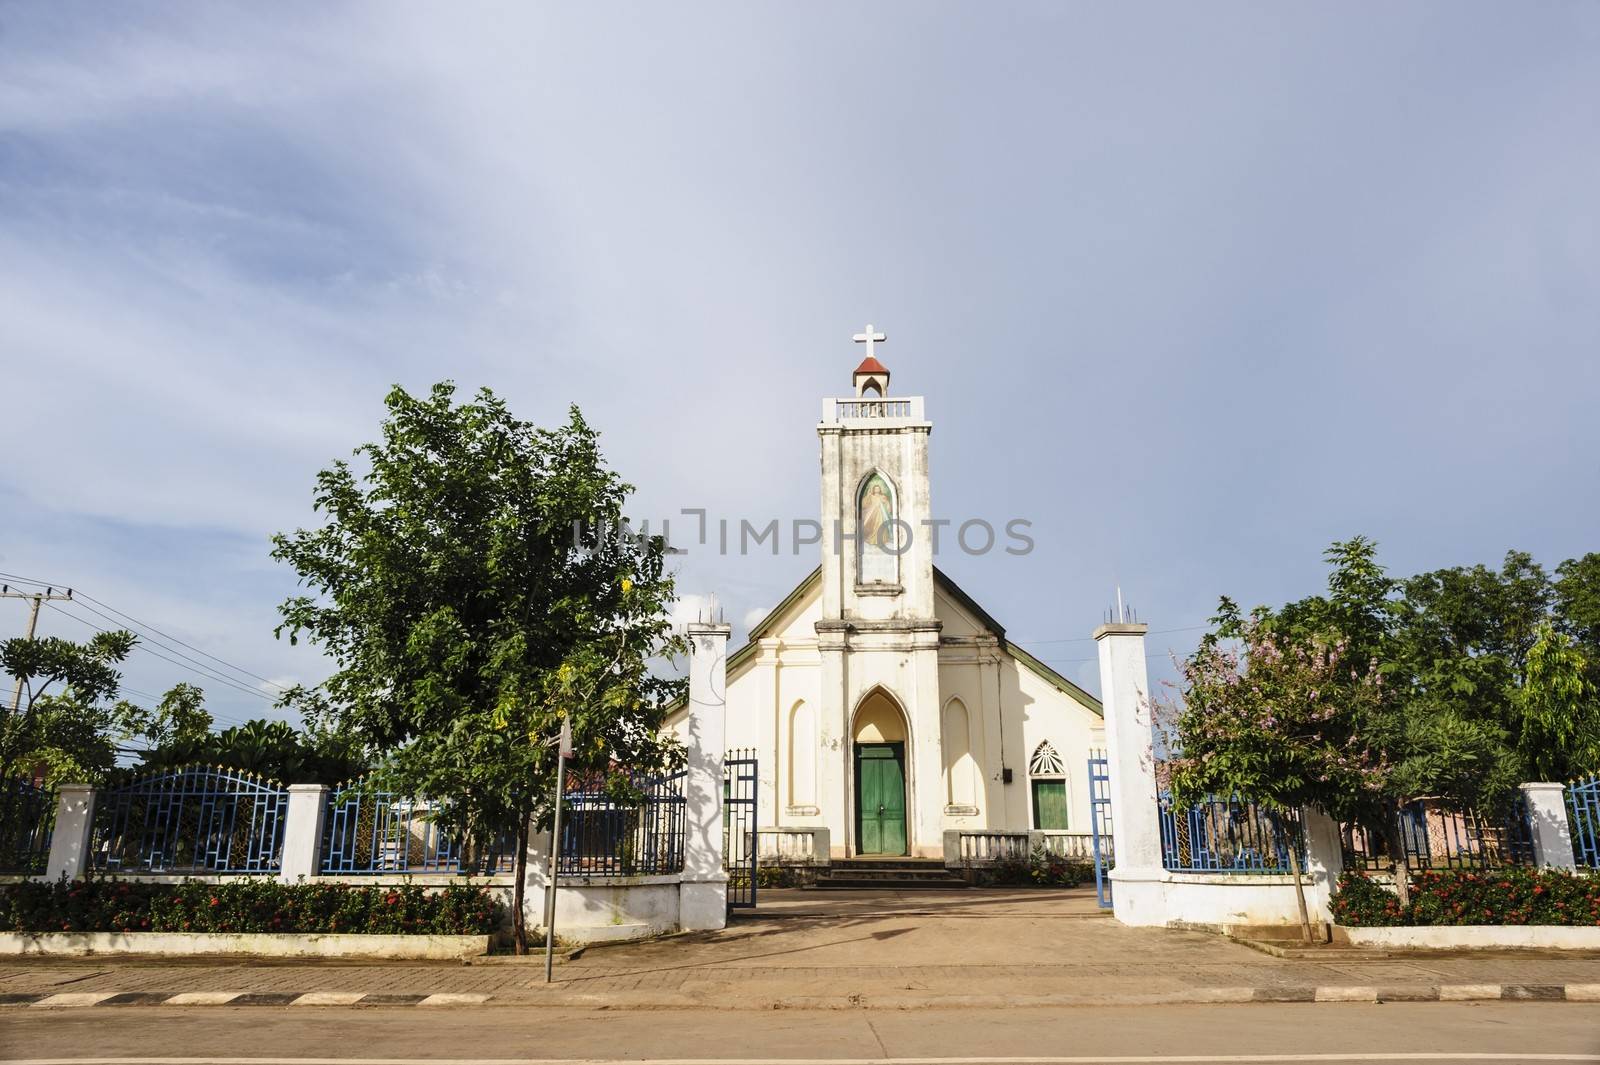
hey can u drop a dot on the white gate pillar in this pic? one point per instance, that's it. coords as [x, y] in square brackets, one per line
[703, 894]
[1547, 817]
[70, 839]
[1138, 892]
[302, 832]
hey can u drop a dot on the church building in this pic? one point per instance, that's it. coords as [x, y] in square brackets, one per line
[882, 701]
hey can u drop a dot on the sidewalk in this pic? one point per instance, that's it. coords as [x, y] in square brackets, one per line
[846, 950]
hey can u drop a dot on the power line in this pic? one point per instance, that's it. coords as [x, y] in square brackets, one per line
[190, 666]
[207, 671]
[215, 715]
[127, 619]
[174, 639]
[29, 580]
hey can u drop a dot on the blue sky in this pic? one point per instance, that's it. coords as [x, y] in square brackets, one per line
[1194, 288]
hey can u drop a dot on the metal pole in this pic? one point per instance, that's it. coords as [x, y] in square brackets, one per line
[37, 598]
[33, 620]
[555, 863]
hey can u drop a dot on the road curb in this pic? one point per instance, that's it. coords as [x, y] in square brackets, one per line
[556, 998]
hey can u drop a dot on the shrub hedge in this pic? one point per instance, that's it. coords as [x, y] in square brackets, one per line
[1466, 896]
[244, 906]
[1039, 869]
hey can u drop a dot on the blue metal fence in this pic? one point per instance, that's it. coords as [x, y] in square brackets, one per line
[27, 817]
[369, 832]
[1438, 836]
[1229, 835]
[638, 834]
[1100, 823]
[740, 818]
[193, 820]
[1583, 817]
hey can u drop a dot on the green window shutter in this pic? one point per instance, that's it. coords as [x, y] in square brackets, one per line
[1050, 804]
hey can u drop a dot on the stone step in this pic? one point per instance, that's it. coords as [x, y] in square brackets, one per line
[852, 883]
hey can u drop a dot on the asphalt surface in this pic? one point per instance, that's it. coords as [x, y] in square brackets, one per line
[876, 950]
[1257, 1034]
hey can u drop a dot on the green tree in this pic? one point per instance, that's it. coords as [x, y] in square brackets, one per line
[1577, 608]
[180, 717]
[471, 589]
[1560, 737]
[1281, 735]
[273, 749]
[68, 720]
[1419, 721]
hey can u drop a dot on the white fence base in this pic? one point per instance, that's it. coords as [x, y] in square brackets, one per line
[254, 944]
[1472, 937]
[1215, 900]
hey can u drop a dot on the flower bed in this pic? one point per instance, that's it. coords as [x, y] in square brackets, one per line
[1039, 869]
[253, 906]
[1471, 897]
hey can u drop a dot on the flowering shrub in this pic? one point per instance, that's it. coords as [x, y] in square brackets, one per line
[1040, 868]
[1472, 896]
[244, 906]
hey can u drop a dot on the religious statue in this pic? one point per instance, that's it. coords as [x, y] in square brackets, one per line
[880, 536]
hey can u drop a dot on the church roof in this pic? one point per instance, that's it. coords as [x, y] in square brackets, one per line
[871, 365]
[949, 587]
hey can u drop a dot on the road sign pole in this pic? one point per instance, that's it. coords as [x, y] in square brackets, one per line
[565, 748]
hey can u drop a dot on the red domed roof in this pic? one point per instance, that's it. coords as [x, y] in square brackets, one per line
[871, 365]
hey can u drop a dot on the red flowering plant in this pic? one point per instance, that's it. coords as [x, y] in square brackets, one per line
[246, 905]
[1510, 896]
[1275, 724]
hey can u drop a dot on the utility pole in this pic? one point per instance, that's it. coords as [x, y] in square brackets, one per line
[39, 599]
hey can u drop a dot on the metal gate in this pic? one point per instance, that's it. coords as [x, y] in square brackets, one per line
[739, 827]
[1100, 821]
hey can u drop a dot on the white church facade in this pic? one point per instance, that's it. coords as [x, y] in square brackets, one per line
[883, 703]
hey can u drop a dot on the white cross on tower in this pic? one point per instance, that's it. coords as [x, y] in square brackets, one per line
[868, 338]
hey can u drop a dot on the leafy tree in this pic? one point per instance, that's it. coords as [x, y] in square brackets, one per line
[1283, 735]
[67, 723]
[1577, 608]
[467, 589]
[180, 718]
[273, 749]
[1560, 736]
[1419, 714]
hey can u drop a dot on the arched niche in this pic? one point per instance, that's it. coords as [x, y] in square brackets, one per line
[878, 534]
[960, 767]
[879, 719]
[802, 760]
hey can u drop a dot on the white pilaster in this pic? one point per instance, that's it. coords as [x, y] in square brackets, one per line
[70, 841]
[925, 817]
[703, 895]
[1547, 817]
[1138, 890]
[302, 832]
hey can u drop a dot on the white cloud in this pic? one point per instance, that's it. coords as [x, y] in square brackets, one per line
[224, 233]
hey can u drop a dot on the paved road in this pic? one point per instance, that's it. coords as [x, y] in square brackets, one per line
[1439, 1032]
[809, 950]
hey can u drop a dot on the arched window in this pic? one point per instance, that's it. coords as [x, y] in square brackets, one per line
[802, 791]
[960, 767]
[1048, 783]
[878, 537]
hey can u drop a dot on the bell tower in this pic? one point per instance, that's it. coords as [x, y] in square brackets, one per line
[877, 558]
[878, 636]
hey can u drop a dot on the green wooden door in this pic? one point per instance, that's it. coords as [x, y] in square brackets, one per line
[881, 798]
[1050, 804]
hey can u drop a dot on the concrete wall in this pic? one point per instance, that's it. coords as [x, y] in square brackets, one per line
[606, 909]
[266, 945]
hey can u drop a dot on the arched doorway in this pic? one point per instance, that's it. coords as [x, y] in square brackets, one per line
[879, 753]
